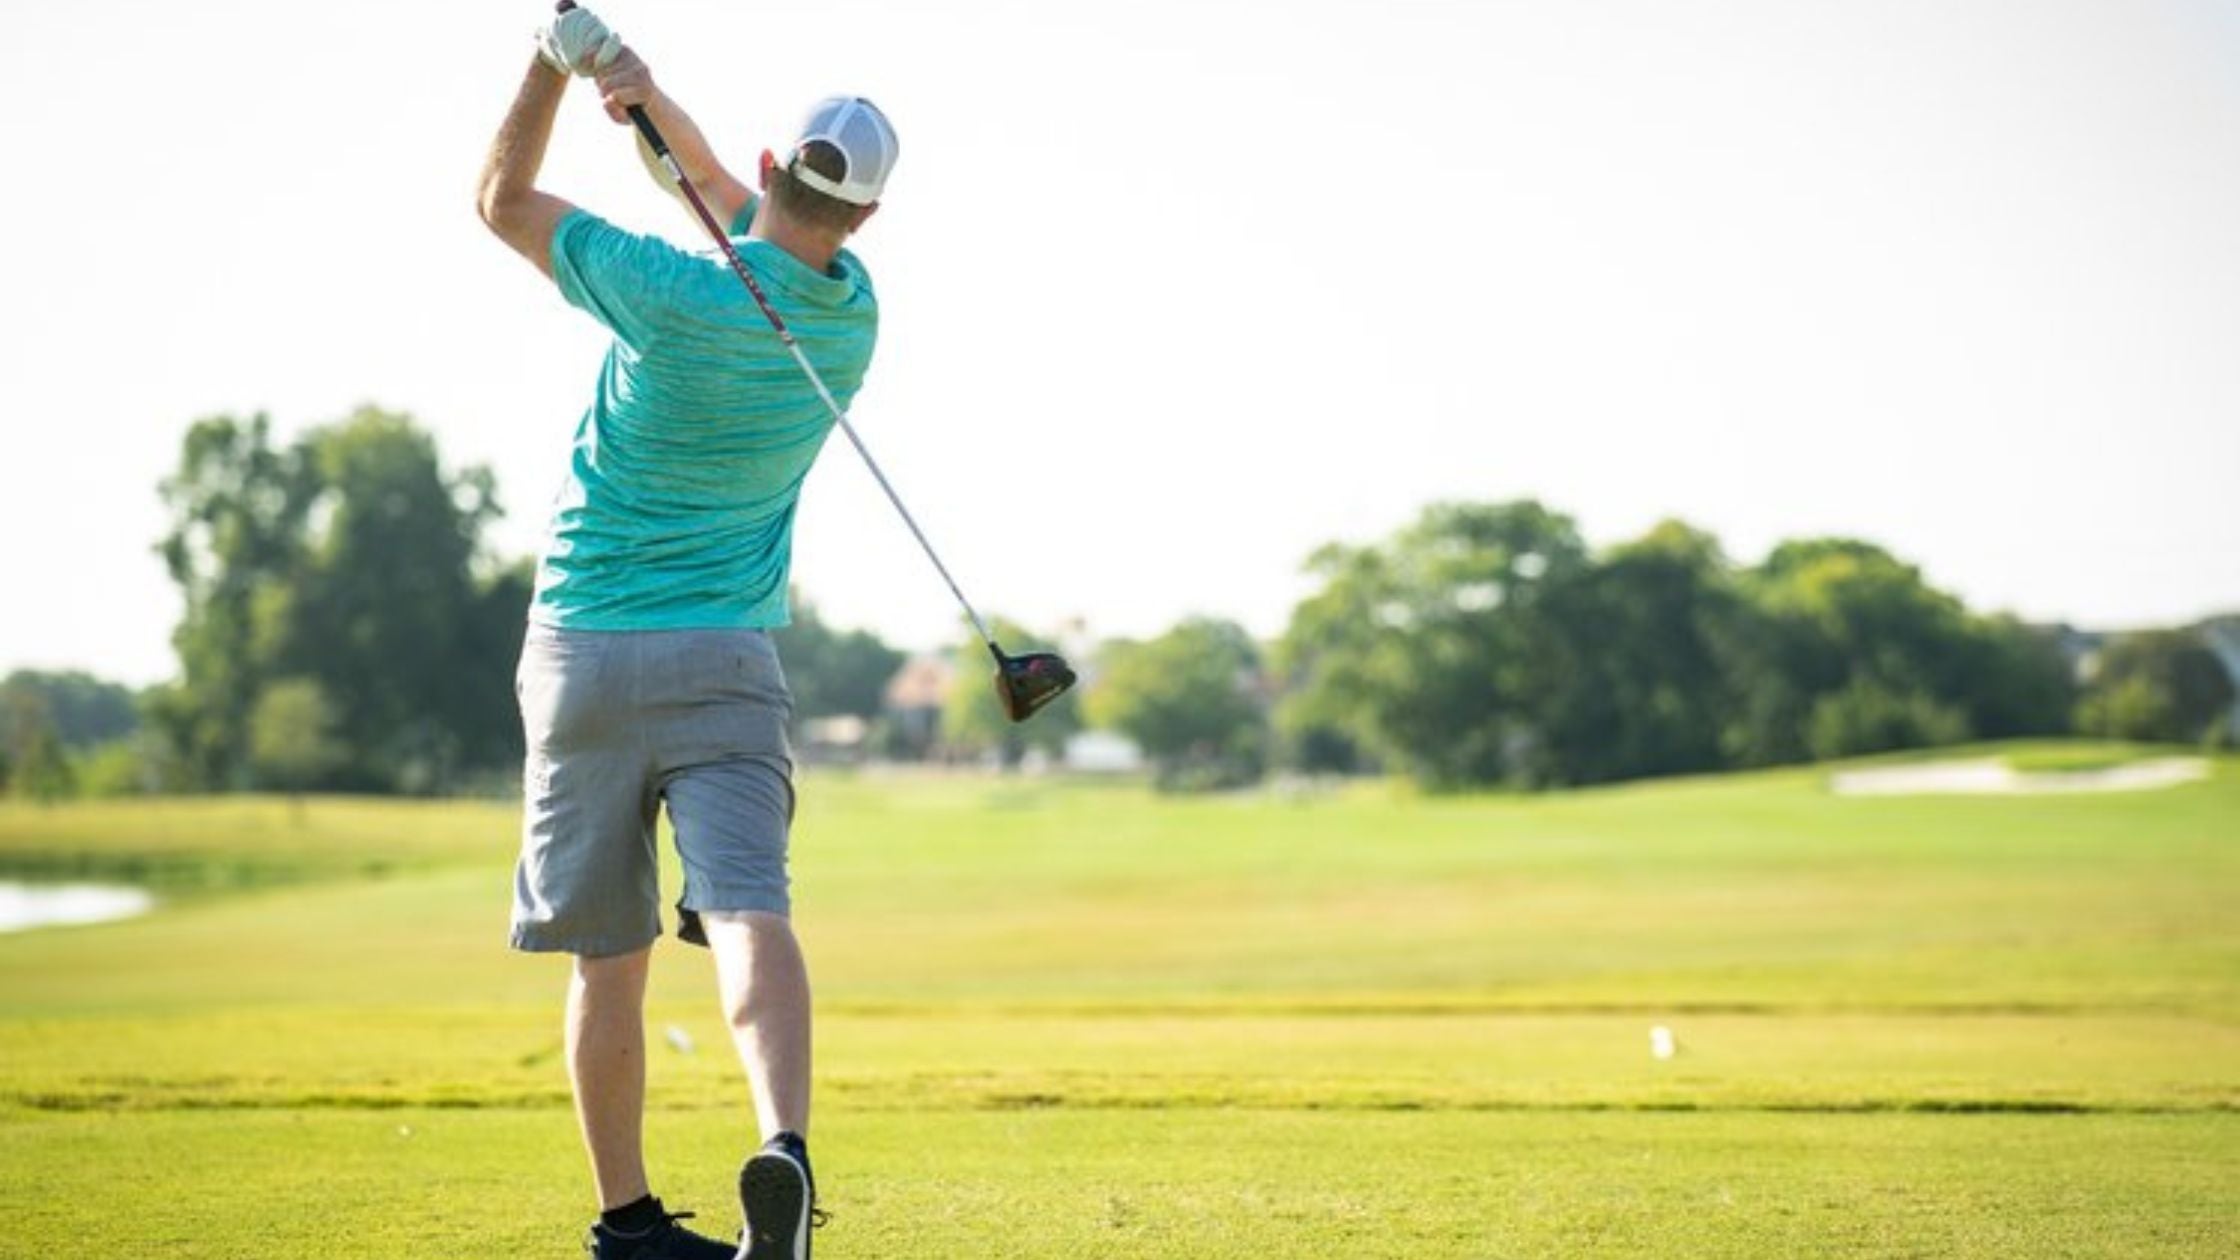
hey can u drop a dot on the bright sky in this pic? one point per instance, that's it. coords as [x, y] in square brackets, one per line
[1176, 290]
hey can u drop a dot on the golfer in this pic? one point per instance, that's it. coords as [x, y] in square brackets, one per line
[648, 676]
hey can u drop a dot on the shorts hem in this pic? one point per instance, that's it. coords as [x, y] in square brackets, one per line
[692, 931]
[531, 941]
[744, 905]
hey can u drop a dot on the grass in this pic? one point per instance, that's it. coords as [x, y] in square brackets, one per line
[2085, 756]
[231, 843]
[1210, 1185]
[1066, 1017]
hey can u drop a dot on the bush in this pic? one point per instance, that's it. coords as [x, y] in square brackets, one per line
[1192, 700]
[1868, 717]
[2159, 685]
[120, 767]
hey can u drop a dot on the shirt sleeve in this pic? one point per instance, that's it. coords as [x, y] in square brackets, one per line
[627, 282]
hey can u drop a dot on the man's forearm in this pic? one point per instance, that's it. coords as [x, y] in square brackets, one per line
[522, 215]
[686, 144]
[517, 155]
[694, 156]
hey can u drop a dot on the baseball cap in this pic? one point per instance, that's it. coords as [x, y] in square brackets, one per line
[867, 147]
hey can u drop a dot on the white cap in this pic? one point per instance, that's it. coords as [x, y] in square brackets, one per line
[867, 147]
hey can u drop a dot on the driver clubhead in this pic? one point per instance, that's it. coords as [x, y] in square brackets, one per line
[1026, 683]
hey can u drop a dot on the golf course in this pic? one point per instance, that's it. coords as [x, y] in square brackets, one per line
[1075, 1019]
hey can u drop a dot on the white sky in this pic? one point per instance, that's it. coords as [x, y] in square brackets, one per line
[1176, 290]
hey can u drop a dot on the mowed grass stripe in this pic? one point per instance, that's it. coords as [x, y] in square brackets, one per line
[1173, 1185]
[510, 1057]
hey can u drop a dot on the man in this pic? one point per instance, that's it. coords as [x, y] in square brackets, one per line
[647, 676]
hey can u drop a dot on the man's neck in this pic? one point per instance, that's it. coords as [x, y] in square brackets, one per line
[814, 248]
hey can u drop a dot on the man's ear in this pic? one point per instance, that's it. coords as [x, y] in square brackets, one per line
[769, 164]
[863, 214]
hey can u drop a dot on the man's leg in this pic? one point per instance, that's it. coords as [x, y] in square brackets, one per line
[586, 886]
[729, 789]
[765, 988]
[764, 985]
[607, 1065]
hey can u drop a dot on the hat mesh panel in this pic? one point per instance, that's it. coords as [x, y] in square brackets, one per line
[860, 135]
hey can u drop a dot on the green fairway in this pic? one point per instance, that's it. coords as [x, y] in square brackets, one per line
[1058, 1019]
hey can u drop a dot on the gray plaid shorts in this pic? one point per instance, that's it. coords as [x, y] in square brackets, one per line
[618, 723]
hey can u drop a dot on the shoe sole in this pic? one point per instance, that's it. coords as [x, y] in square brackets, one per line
[774, 1193]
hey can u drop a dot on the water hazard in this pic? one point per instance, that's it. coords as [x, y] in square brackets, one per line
[24, 906]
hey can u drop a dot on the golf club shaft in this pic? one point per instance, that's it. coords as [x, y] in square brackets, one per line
[722, 239]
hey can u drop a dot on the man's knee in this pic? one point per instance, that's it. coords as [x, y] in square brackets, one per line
[614, 976]
[747, 924]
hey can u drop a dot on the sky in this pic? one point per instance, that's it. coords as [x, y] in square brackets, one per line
[1175, 291]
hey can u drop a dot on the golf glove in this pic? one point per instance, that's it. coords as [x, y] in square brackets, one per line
[577, 42]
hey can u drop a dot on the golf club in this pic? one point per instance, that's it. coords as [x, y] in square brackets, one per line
[1024, 684]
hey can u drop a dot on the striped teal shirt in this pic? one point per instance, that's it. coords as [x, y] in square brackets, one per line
[677, 512]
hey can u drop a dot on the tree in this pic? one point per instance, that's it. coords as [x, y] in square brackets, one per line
[973, 722]
[386, 613]
[131, 766]
[85, 710]
[1848, 650]
[1485, 645]
[99, 747]
[1635, 658]
[1193, 699]
[833, 672]
[1845, 637]
[351, 559]
[292, 736]
[1311, 734]
[33, 761]
[1870, 717]
[1436, 643]
[2019, 681]
[236, 543]
[2163, 685]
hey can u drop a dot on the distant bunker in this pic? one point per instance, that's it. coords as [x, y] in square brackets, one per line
[1992, 777]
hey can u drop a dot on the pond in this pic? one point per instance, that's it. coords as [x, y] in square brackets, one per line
[52, 905]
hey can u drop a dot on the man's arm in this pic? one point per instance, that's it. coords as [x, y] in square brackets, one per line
[627, 82]
[508, 198]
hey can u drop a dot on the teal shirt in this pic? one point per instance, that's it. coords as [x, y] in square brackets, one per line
[677, 512]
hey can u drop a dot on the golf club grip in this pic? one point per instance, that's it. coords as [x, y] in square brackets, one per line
[646, 128]
[638, 117]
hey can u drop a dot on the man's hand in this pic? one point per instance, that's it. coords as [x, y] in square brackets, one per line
[577, 42]
[625, 82]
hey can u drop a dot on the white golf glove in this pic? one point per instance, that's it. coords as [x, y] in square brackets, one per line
[577, 42]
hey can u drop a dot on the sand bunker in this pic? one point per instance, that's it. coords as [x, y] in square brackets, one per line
[1996, 778]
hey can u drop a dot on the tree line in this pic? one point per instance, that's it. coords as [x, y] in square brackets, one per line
[1488, 644]
[346, 627]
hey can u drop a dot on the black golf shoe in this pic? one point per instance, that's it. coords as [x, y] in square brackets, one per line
[666, 1241]
[780, 1200]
